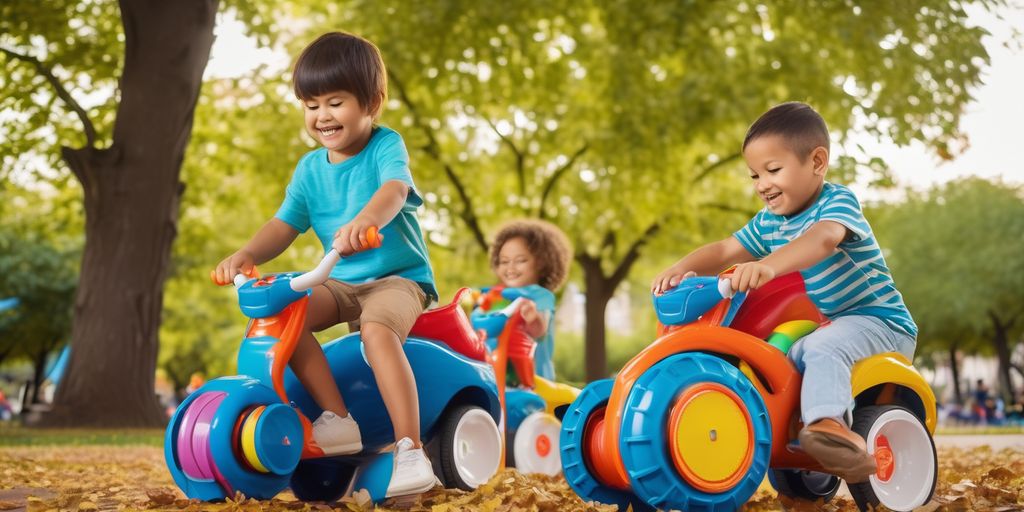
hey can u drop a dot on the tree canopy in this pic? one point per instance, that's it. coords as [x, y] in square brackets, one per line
[620, 121]
[955, 252]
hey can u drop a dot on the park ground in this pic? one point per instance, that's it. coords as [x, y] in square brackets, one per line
[91, 470]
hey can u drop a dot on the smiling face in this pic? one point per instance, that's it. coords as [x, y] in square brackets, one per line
[516, 265]
[338, 122]
[786, 184]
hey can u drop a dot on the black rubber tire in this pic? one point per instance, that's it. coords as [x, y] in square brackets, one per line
[510, 453]
[321, 480]
[863, 418]
[805, 485]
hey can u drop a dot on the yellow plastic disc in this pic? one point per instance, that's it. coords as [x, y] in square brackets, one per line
[711, 437]
[249, 440]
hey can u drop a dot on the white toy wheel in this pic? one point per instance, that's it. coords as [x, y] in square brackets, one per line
[470, 447]
[905, 452]
[536, 444]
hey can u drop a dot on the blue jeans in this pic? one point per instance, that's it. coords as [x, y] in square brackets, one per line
[826, 356]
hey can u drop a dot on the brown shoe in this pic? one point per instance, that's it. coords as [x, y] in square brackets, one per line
[838, 449]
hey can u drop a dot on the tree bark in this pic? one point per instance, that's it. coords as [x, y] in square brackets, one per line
[132, 195]
[954, 367]
[597, 294]
[1000, 339]
[38, 370]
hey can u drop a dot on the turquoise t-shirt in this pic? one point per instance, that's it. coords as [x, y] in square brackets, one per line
[853, 280]
[326, 196]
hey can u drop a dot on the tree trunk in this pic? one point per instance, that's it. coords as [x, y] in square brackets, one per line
[954, 367]
[38, 371]
[598, 292]
[1000, 339]
[132, 194]
[600, 288]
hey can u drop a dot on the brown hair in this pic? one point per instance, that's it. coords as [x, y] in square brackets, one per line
[546, 243]
[797, 123]
[339, 61]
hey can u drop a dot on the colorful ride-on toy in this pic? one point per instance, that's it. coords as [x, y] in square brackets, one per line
[698, 418]
[534, 408]
[252, 433]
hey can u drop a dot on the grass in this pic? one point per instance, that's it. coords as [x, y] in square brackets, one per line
[979, 430]
[12, 434]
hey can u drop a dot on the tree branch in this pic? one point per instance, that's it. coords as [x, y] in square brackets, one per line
[550, 184]
[468, 213]
[711, 168]
[609, 240]
[622, 270]
[520, 157]
[64, 94]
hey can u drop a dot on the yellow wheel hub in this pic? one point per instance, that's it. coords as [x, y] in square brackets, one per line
[711, 437]
[249, 450]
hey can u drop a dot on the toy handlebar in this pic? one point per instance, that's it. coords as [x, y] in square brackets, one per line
[245, 276]
[512, 308]
[323, 270]
[725, 288]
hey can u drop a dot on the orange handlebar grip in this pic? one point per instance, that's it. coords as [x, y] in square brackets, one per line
[373, 237]
[251, 274]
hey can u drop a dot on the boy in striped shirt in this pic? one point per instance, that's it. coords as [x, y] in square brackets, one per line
[817, 228]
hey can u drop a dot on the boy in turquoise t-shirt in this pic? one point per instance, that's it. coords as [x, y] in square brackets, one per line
[359, 179]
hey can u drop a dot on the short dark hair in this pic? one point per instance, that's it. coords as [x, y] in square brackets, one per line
[339, 61]
[797, 123]
[548, 245]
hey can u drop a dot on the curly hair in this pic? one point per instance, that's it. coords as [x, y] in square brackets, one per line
[546, 243]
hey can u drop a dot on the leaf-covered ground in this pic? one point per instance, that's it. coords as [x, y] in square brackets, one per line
[42, 478]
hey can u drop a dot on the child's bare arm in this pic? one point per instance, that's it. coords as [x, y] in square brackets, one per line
[814, 245]
[272, 239]
[385, 204]
[707, 260]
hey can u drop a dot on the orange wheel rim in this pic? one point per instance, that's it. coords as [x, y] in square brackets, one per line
[884, 459]
[598, 457]
[543, 445]
[712, 452]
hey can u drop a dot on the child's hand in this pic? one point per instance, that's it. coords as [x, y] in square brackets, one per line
[240, 262]
[669, 279]
[751, 276]
[528, 310]
[351, 238]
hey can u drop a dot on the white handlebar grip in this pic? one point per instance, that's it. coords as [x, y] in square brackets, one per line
[725, 288]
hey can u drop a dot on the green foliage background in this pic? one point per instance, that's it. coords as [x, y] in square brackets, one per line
[605, 117]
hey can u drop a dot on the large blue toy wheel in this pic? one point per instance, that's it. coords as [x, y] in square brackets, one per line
[321, 479]
[232, 474]
[645, 443]
[590, 403]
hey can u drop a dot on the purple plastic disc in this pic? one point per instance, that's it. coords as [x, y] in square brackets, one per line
[193, 436]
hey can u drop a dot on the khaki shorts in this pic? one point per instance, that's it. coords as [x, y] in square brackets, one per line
[393, 301]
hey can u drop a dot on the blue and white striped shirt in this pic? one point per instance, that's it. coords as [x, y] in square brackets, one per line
[854, 280]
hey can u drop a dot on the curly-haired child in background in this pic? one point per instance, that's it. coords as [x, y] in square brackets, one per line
[531, 260]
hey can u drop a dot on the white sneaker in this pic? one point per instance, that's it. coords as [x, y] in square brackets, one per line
[412, 474]
[336, 435]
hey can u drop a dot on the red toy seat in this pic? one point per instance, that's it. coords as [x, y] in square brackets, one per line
[450, 325]
[780, 300]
